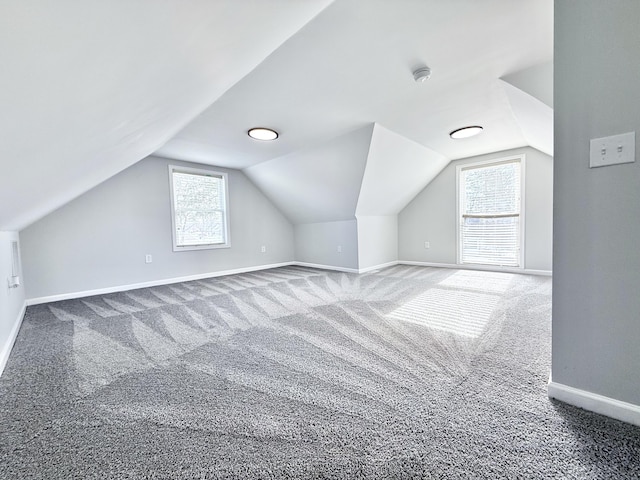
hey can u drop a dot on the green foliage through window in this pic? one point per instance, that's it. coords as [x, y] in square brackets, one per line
[199, 208]
[490, 214]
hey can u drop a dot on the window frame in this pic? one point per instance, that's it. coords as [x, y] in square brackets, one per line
[225, 183]
[521, 158]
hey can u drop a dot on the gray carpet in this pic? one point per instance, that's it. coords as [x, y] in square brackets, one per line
[409, 372]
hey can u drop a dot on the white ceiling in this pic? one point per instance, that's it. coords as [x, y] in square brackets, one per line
[89, 88]
[397, 170]
[320, 183]
[352, 66]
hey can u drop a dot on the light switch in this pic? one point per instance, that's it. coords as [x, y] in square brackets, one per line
[613, 150]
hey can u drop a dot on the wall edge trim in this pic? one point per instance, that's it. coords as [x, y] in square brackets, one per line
[484, 268]
[220, 273]
[378, 267]
[610, 407]
[326, 267]
[153, 283]
[5, 353]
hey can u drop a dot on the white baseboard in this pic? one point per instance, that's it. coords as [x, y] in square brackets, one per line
[345, 269]
[610, 407]
[378, 267]
[201, 276]
[326, 267]
[485, 268]
[168, 281]
[188, 278]
[8, 346]
[153, 283]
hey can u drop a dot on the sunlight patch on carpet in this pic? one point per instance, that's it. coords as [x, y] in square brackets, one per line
[454, 311]
[487, 282]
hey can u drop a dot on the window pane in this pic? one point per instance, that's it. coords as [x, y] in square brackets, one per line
[199, 228]
[492, 190]
[490, 214]
[491, 241]
[199, 209]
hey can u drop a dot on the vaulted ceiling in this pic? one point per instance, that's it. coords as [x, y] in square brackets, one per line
[89, 88]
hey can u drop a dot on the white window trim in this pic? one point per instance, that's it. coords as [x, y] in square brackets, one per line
[199, 171]
[485, 163]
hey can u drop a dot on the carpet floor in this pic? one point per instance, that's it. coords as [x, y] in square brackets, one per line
[403, 373]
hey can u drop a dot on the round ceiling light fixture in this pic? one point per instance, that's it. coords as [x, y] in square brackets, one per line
[466, 132]
[422, 74]
[261, 133]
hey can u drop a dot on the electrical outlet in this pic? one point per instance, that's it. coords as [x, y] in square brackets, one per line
[148, 259]
[263, 249]
[339, 248]
[427, 245]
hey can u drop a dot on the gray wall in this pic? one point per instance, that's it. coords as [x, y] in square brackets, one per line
[318, 243]
[11, 299]
[377, 240]
[431, 216]
[596, 304]
[100, 239]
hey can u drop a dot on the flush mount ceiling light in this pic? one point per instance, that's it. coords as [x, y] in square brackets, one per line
[263, 133]
[466, 132]
[421, 74]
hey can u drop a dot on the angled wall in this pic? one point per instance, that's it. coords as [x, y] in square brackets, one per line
[99, 240]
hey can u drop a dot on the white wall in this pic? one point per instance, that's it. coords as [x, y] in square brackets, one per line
[431, 215]
[596, 304]
[11, 299]
[536, 81]
[320, 183]
[317, 243]
[100, 239]
[377, 240]
[397, 169]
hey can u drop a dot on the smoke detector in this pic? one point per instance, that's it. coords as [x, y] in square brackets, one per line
[421, 74]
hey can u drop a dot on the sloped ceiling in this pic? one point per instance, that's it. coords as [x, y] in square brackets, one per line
[530, 94]
[90, 87]
[371, 171]
[352, 66]
[537, 81]
[397, 170]
[318, 184]
[534, 117]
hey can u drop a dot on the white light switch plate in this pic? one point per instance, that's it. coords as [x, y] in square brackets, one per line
[612, 150]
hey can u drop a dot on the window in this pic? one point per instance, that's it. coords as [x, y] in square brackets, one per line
[199, 206]
[490, 223]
